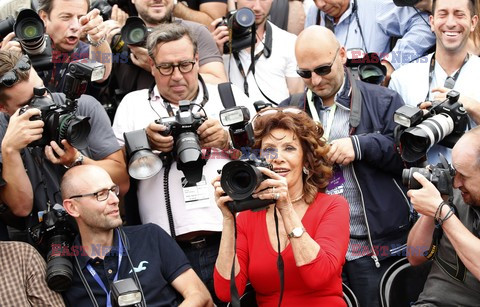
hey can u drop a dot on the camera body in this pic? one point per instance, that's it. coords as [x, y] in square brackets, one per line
[240, 178]
[444, 123]
[366, 66]
[54, 234]
[440, 175]
[187, 150]
[241, 24]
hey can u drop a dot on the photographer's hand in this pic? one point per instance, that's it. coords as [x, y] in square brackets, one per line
[221, 198]
[341, 151]
[139, 57]
[8, 44]
[57, 155]
[220, 34]
[427, 199]
[21, 131]
[272, 187]
[118, 15]
[471, 105]
[158, 141]
[92, 24]
[213, 135]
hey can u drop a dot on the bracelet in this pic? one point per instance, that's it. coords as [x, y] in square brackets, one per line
[78, 161]
[96, 44]
[447, 216]
[435, 216]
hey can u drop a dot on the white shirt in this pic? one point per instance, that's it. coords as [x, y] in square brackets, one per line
[135, 112]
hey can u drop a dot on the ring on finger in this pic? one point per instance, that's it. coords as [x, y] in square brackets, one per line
[276, 196]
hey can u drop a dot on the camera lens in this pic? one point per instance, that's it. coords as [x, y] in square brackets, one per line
[244, 18]
[59, 267]
[75, 129]
[30, 30]
[240, 179]
[417, 140]
[371, 73]
[134, 32]
[412, 183]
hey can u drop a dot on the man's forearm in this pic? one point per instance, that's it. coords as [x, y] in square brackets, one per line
[17, 193]
[103, 54]
[420, 240]
[184, 12]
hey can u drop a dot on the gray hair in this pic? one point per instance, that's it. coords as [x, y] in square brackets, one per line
[168, 32]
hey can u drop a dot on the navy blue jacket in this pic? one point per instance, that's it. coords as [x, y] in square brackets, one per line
[377, 166]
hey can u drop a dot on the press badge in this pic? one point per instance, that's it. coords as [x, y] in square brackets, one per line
[336, 184]
[196, 195]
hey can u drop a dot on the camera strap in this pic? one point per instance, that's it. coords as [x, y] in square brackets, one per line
[97, 278]
[450, 81]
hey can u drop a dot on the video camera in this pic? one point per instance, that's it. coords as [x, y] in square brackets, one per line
[30, 32]
[61, 122]
[444, 123]
[240, 178]
[54, 235]
[366, 66]
[440, 175]
[187, 150]
[241, 24]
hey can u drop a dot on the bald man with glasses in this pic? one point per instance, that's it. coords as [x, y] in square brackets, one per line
[195, 220]
[358, 122]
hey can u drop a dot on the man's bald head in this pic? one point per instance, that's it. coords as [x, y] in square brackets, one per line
[81, 179]
[469, 144]
[315, 47]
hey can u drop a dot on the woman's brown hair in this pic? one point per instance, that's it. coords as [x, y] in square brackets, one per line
[310, 135]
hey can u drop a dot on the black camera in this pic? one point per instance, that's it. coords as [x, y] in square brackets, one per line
[241, 177]
[187, 150]
[366, 66]
[444, 123]
[135, 32]
[6, 26]
[440, 175]
[54, 236]
[241, 24]
[61, 122]
[30, 32]
[104, 7]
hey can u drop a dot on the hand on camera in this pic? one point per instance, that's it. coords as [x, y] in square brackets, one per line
[57, 155]
[213, 135]
[220, 34]
[341, 151]
[424, 200]
[8, 44]
[22, 131]
[139, 56]
[92, 24]
[275, 188]
[118, 15]
[158, 141]
[221, 198]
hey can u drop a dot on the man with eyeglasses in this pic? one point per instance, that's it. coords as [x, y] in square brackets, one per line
[105, 252]
[449, 67]
[195, 220]
[31, 174]
[357, 118]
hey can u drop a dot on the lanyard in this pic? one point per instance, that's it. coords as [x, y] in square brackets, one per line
[242, 72]
[431, 72]
[331, 115]
[99, 280]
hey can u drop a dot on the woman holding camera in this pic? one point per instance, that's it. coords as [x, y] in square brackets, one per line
[313, 228]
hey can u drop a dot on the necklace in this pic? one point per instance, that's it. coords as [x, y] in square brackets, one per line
[297, 199]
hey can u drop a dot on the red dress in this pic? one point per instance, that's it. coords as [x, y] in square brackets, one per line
[318, 283]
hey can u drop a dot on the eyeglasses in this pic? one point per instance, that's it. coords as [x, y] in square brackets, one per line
[166, 69]
[10, 78]
[321, 70]
[102, 194]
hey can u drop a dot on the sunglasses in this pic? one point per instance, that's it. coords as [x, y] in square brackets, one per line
[321, 70]
[10, 78]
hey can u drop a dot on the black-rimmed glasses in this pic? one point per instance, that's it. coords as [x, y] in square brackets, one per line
[10, 78]
[102, 194]
[321, 70]
[167, 69]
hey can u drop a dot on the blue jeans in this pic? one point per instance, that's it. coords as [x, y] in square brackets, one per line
[202, 261]
[363, 277]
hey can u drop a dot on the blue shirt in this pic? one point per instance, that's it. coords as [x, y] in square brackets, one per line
[157, 259]
[379, 20]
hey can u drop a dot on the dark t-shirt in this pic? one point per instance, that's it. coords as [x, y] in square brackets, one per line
[157, 261]
[195, 4]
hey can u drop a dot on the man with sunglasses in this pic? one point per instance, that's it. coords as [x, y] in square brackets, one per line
[31, 174]
[449, 67]
[195, 220]
[105, 252]
[372, 26]
[358, 122]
